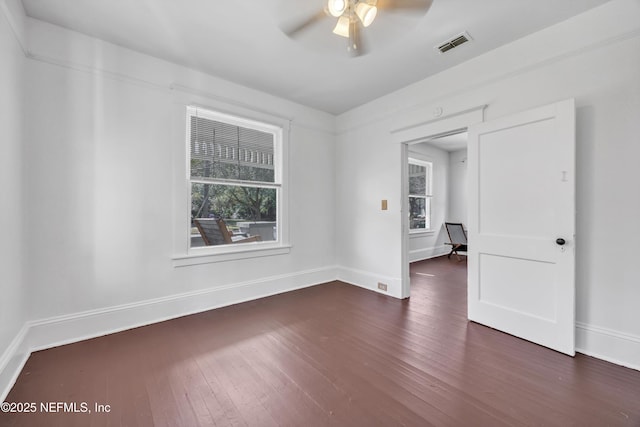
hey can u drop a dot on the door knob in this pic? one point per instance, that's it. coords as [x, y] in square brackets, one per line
[560, 241]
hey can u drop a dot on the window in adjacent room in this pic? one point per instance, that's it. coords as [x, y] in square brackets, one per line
[420, 187]
[235, 179]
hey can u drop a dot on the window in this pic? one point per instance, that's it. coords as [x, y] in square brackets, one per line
[235, 178]
[419, 195]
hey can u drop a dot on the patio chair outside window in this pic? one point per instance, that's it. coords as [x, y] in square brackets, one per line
[214, 231]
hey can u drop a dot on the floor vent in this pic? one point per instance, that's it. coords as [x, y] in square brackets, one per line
[454, 42]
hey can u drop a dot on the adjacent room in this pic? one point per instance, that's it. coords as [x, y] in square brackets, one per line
[330, 212]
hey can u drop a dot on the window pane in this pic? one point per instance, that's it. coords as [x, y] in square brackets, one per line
[246, 212]
[417, 179]
[419, 213]
[225, 151]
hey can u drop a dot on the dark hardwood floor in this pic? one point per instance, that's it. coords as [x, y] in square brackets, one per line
[332, 354]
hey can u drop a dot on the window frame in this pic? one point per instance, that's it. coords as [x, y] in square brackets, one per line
[185, 254]
[428, 196]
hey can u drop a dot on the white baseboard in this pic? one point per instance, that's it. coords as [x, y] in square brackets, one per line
[12, 361]
[367, 280]
[55, 331]
[427, 253]
[606, 344]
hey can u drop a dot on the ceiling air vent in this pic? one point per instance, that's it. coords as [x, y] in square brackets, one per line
[454, 42]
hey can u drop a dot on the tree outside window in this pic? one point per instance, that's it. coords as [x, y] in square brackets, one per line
[234, 173]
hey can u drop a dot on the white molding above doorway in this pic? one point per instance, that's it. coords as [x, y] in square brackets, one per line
[440, 126]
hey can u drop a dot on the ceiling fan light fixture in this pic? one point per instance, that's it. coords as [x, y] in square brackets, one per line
[342, 27]
[366, 12]
[337, 7]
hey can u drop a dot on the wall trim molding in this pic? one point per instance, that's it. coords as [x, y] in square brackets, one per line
[427, 253]
[15, 28]
[178, 88]
[384, 114]
[174, 87]
[367, 280]
[52, 332]
[612, 346]
[602, 343]
[88, 69]
[12, 361]
[448, 124]
[13, 346]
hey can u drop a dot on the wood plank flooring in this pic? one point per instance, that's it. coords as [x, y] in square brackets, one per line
[330, 355]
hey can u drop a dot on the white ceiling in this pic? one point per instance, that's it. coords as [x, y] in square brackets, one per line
[242, 41]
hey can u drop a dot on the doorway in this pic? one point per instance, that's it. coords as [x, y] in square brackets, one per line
[437, 182]
[408, 136]
[436, 171]
[521, 219]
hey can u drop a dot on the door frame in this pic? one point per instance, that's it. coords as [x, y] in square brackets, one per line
[444, 125]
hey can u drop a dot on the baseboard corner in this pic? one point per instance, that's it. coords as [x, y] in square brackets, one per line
[12, 361]
[612, 346]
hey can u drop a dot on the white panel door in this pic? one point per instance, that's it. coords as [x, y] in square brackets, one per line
[522, 225]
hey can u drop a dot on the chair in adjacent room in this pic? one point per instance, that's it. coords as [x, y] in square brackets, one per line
[214, 231]
[457, 238]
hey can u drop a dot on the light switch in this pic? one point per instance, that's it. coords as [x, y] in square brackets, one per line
[384, 205]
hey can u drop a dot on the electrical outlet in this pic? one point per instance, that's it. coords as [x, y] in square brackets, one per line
[382, 286]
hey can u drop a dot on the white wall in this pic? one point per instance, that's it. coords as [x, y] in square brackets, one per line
[368, 239]
[96, 152]
[594, 58]
[423, 245]
[457, 211]
[101, 151]
[92, 137]
[12, 192]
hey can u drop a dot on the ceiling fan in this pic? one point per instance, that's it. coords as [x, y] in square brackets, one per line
[354, 15]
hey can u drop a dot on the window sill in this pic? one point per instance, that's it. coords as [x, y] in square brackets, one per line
[207, 256]
[420, 233]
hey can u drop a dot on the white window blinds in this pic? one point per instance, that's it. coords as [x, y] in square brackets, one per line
[225, 151]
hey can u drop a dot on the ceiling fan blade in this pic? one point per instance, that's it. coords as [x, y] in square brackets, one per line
[355, 46]
[404, 4]
[295, 28]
